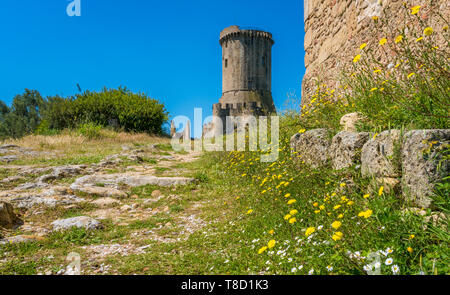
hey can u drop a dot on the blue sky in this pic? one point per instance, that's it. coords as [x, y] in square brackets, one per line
[167, 49]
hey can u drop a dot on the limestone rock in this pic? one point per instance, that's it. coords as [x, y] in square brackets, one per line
[80, 222]
[379, 155]
[349, 121]
[422, 163]
[104, 202]
[8, 159]
[12, 179]
[345, 149]
[102, 191]
[7, 217]
[20, 239]
[312, 147]
[30, 201]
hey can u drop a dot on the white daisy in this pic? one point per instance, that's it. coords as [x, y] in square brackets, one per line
[389, 261]
[311, 271]
[294, 269]
[367, 268]
[329, 268]
[320, 227]
[377, 264]
[389, 250]
[395, 269]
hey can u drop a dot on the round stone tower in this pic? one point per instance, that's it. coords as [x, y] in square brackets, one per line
[247, 70]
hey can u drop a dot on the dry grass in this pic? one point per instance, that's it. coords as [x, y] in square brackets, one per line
[69, 140]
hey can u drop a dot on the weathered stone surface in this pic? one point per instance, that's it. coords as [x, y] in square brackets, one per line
[156, 193]
[8, 159]
[345, 149]
[312, 147]
[30, 201]
[8, 146]
[129, 179]
[349, 121]
[104, 202]
[12, 179]
[8, 218]
[102, 191]
[79, 221]
[380, 155]
[422, 163]
[20, 239]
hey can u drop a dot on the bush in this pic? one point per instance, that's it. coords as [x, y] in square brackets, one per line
[90, 130]
[117, 108]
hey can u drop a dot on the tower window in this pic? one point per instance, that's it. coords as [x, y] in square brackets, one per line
[226, 62]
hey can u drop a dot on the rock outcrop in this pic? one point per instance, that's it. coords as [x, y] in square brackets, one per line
[8, 219]
[345, 150]
[79, 222]
[312, 147]
[423, 164]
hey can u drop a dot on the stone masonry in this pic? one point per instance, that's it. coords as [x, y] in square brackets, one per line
[334, 30]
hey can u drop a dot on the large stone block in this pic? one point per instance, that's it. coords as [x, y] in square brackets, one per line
[423, 163]
[345, 149]
[312, 147]
[380, 156]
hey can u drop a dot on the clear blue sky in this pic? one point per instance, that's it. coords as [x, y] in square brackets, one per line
[167, 49]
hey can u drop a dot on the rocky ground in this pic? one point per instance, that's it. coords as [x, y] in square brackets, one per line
[134, 195]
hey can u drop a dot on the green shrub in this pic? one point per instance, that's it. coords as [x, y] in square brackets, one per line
[90, 130]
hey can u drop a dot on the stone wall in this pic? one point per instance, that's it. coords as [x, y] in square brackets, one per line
[334, 30]
[409, 163]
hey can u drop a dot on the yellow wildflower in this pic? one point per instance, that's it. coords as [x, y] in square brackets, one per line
[317, 211]
[366, 196]
[410, 75]
[380, 191]
[309, 231]
[342, 184]
[398, 39]
[271, 244]
[350, 203]
[321, 207]
[428, 31]
[415, 9]
[271, 232]
[337, 207]
[293, 212]
[383, 41]
[292, 201]
[260, 251]
[357, 58]
[337, 236]
[287, 216]
[287, 195]
[411, 237]
[363, 46]
[316, 204]
[336, 224]
[419, 39]
[250, 211]
[340, 216]
[292, 220]
[410, 250]
[365, 214]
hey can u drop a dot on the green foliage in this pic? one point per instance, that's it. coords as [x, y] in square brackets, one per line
[87, 112]
[23, 117]
[90, 130]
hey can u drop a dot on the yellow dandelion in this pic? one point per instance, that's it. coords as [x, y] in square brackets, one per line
[309, 231]
[356, 58]
[342, 184]
[336, 224]
[292, 220]
[428, 31]
[373, 89]
[382, 41]
[380, 191]
[337, 207]
[340, 216]
[398, 39]
[271, 232]
[260, 251]
[271, 244]
[415, 9]
[287, 216]
[411, 237]
[287, 195]
[293, 212]
[250, 211]
[410, 250]
[337, 236]
[292, 201]
[366, 196]
[419, 39]
[375, 18]
[363, 46]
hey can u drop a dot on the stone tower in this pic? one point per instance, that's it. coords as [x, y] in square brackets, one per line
[246, 73]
